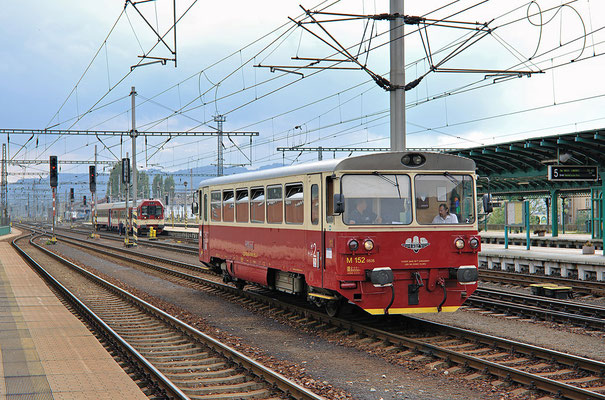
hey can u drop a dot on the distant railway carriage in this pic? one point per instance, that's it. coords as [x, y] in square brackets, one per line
[150, 213]
[363, 229]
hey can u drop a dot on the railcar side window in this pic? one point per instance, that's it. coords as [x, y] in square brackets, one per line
[257, 205]
[445, 199]
[215, 206]
[275, 204]
[314, 204]
[228, 205]
[377, 199]
[294, 205]
[241, 205]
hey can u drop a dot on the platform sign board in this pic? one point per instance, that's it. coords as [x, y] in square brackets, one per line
[572, 173]
[513, 213]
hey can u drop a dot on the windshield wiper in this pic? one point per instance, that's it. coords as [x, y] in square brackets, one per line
[451, 178]
[396, 183]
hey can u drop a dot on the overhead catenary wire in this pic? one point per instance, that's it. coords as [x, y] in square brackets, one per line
[270, 117]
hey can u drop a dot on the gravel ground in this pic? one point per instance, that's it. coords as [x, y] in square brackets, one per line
[314, 361]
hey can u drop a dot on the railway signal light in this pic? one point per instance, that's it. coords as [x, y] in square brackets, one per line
[84, 200]
[125, 170]
[71, 195]
[54, 173]
[92, 173]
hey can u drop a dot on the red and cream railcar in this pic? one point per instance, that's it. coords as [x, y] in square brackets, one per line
[363, 229]
[150, 213]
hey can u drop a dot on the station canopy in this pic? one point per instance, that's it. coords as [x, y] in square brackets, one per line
[522, 167]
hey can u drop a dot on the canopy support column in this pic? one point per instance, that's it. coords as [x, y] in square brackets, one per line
[554, 207]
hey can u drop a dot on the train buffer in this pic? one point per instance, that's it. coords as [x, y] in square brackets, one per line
[552, 291]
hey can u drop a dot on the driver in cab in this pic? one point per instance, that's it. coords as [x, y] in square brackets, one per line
[444, 216]
[361, 214]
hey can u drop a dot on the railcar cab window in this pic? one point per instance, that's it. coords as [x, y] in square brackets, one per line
[275, 204]
[215, 206]
[444, 199]
[151, 211]
[295, 210]
[257, 205]
[228, 205]
[241, 205]
[377, 199]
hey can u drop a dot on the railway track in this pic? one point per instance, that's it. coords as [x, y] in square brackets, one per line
[587, 316]
[159, 244]
[594, 288]
[563, 311]
[181, 361]
[437, 345]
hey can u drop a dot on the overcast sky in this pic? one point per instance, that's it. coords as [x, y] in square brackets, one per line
[64, 58]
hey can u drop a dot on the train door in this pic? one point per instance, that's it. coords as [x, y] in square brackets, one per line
[204, 205]
[315, 238]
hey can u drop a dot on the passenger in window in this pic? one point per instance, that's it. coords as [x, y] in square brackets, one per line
[361, 214]
[444, 216]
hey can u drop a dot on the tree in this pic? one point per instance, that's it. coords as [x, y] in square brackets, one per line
[115, 182]
[158, 186]
[115, 187]
[142, 185]
[169, 187]
[496, 217]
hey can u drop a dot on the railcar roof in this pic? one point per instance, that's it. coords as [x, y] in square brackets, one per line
[387, 161]
[121, 204]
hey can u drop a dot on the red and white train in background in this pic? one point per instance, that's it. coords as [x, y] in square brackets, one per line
[150, 213]
[299, 229]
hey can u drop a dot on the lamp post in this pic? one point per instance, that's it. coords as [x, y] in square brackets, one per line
[185, 205]
[172, 208]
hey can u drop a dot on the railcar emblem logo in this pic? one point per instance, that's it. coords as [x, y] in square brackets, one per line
[415, 244]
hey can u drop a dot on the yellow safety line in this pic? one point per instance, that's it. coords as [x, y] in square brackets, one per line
[323, 296]
[411, 310]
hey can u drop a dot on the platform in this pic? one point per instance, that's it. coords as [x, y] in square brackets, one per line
[565, 262]
[565, 240]
[191, 232]
[45, 351]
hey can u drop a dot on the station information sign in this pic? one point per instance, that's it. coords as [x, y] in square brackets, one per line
[514, 214]
[572, 173]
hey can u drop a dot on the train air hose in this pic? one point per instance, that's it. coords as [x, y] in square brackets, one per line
[386, 310]
[441, 282]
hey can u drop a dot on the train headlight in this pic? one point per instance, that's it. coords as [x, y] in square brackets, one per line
[413, 160]
[467, 274]
[368, 245]
[474, 243]
[459, 243]
[353, 244]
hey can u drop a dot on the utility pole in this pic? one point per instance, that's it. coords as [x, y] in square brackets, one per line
[185, 204]
[397, 76]
[94, 199]
[219, 119]
[133, 135]
[126, 176]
